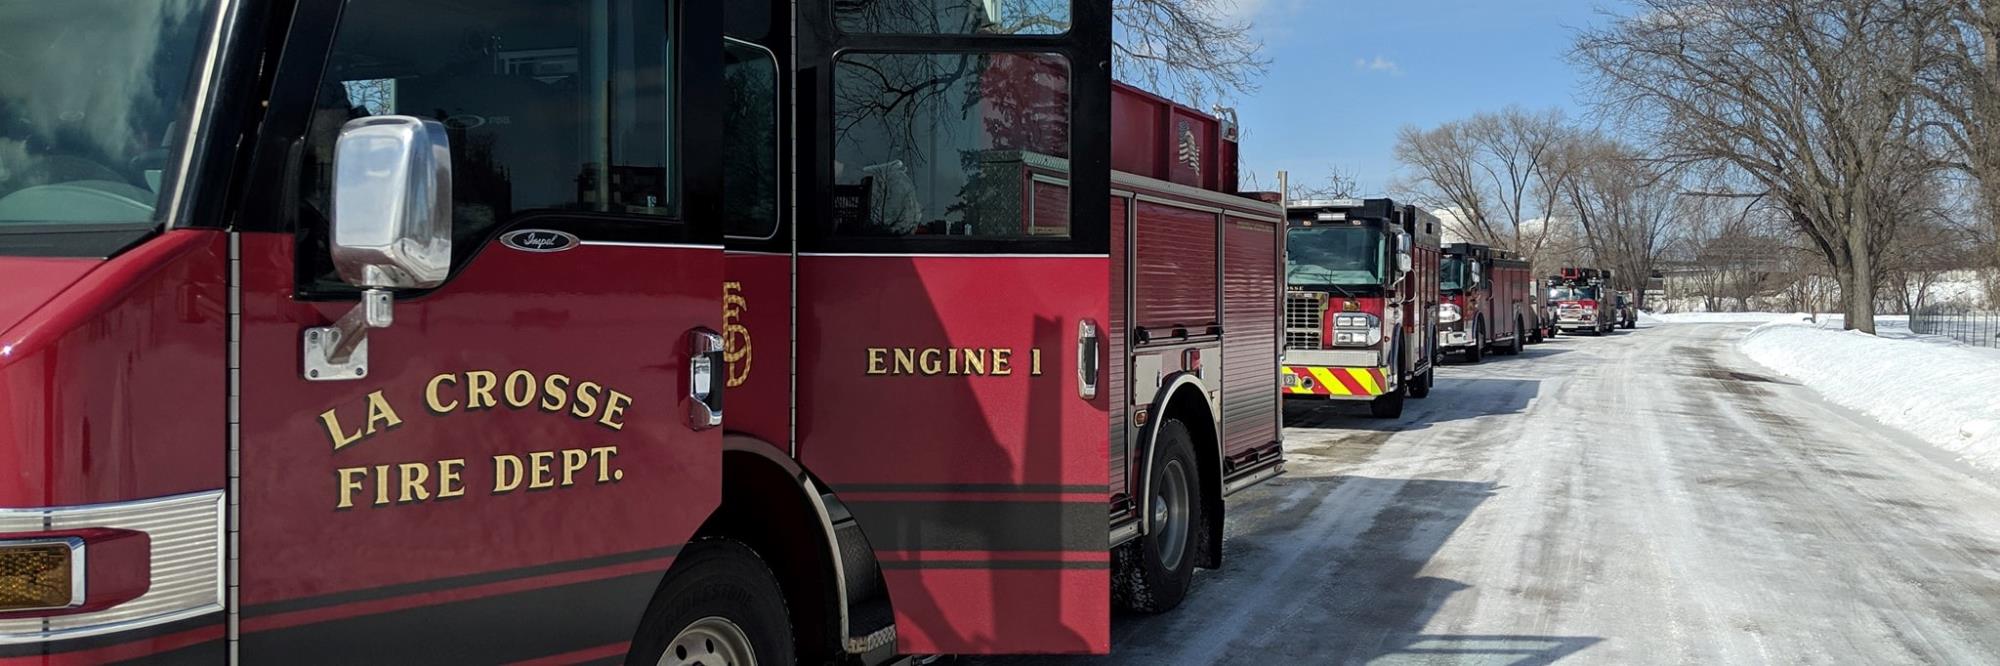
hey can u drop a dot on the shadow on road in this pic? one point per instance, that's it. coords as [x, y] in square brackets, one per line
[1531, 353]
[1328, 570]
[1451, 400]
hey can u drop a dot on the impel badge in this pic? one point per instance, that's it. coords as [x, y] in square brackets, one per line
[538, 240]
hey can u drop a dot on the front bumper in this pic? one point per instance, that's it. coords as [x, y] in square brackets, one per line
[1455, 339]
[1335, 382]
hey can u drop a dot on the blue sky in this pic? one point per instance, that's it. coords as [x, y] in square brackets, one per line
[1346, 75]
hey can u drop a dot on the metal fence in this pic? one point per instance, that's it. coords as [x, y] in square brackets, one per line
[1967, 325]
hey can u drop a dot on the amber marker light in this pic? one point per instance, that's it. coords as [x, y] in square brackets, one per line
[41, 574]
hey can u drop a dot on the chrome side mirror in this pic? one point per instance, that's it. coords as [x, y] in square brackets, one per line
[1477, 276]
[392, 203]
[391, 230]
[1404, 263]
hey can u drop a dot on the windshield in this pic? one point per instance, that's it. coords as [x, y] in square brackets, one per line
[1572, 293]
[92, 95]
[1334, 255]
[1451, 273]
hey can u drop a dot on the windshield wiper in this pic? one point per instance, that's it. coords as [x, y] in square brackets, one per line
[1329, 281]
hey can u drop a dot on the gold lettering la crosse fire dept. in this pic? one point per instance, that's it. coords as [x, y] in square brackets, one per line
[471, 392]
[949, 361]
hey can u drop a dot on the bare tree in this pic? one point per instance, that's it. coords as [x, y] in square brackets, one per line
[1192, 50]
[1623, 206]
[1929, 244]
[1497, 173]
[1963, 89]
[1338, 184]
[1813, 100]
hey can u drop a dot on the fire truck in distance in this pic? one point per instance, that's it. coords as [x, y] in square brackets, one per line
[1581, 299]
[326, 339]
[1360, 310]
[1487, 301]
[1628, 311]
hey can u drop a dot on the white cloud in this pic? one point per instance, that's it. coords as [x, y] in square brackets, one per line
[1378, 64]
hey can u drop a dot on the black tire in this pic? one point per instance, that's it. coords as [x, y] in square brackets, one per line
[1420, 385]
[1389, 406]
[713, 580]
[1520, 339]
[1151, 574]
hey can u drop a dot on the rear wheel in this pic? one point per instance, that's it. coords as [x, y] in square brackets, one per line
[1420, 386]
[719, 605]
[1151, 574]
[1520, 339]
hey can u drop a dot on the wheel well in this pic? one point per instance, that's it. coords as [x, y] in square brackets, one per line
[766, 509]
[1191, 407]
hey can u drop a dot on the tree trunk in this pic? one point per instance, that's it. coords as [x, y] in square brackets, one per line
[1858, 286]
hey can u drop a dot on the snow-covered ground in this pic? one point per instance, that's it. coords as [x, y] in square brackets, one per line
[1648, 497]
[1945, 393]
[1710, 317]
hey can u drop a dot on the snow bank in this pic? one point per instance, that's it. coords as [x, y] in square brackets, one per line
[1948, 395]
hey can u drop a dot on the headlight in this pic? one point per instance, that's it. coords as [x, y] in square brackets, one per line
[1449, 314]
[1357, 329]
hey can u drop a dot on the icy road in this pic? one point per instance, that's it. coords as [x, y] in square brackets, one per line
[1651, 497]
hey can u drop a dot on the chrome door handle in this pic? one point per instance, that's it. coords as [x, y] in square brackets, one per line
[705, 366]
[1086, 359]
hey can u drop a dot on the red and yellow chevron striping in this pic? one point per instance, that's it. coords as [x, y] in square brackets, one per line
[1337, 382]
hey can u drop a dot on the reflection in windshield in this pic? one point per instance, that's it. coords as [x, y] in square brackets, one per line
[1572, 293]
[90, 103]
[1333, 255]
[1451, 273]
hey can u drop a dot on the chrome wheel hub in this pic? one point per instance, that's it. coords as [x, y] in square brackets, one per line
[710, 641]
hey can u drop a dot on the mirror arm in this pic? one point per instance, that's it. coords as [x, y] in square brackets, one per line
[376, 310]
[340, 351]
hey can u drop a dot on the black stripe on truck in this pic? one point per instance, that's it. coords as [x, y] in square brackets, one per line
[498, 629]
[984, 526]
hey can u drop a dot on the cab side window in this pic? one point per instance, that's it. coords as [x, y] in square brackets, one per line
[750, 141]
[550, 105]
[947, 144]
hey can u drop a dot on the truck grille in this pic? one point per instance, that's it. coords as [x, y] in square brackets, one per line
[1304, 313]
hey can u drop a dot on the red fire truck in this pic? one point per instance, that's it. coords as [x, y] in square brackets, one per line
[1487, 296]
[1579, 298]
[1361, 302]
[366, 331]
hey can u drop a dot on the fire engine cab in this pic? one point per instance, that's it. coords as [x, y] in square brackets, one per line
[1487, 301]
[1361, 301]
[1581, 301]
[364, 331]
